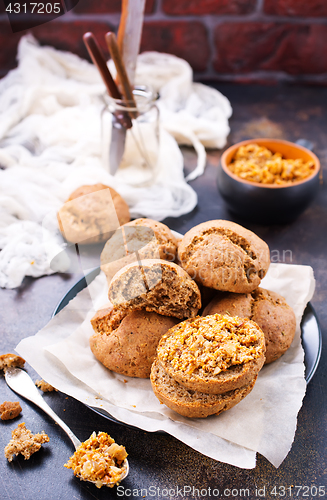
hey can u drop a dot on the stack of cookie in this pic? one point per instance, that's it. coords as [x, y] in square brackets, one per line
[207, 365]
[203, 365]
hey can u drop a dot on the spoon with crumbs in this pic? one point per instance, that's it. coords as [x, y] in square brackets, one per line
[98, 460]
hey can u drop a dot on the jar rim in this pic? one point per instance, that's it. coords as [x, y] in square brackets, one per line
[146, 92]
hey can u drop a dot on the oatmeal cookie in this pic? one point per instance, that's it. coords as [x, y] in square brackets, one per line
[137, 240]
[157, 286]
[88, 216]
[223, 255]
[130, 347]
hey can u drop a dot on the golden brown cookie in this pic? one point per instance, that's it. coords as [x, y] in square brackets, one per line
[268, 309]
[89, 216]
[130, 348]
[213, 354]
[139, 239]
[155, 285]
[193, 404]
[223, 255]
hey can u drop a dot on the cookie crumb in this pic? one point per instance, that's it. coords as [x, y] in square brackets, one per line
[10, 360]
[44, 386]
[10, 410]
[24, 442]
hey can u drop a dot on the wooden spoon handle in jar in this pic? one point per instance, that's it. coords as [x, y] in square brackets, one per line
[100, 62]
[121, 72]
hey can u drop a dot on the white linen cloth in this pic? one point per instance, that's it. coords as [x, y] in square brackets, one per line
[50, 144]
[264, 422]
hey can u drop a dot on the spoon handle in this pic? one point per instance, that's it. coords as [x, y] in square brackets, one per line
[19, 381]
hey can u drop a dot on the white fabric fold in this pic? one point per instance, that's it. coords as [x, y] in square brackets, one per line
[50, 143]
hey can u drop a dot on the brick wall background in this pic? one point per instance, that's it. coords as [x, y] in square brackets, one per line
[223, 40]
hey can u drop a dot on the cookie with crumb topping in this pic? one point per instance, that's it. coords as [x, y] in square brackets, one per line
[223, 255]
[213, 354]
[268, 309]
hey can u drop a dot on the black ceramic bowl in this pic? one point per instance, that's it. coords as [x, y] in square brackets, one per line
[268, 203]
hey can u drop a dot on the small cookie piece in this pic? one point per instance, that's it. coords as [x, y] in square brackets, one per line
[44, 386]
[11, 360]
[193, 404]
[10, 410]
[90, 214]
[157, 286]
[223, 255]
[268, 309]
[137, 240]
[24, 442]
[129, 349]
[213, 354]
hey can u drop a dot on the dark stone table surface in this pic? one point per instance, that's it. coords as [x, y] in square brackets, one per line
[159, 462]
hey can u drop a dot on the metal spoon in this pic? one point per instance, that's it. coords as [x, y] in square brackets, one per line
[20, 382]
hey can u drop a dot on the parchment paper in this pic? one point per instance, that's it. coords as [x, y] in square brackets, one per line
[264, 422]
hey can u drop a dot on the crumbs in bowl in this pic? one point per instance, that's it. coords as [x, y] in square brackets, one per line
[99, 460]
[24, 442]
[256, 163]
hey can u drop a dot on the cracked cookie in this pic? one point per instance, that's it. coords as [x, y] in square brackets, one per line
[223, 255]
[155, 285]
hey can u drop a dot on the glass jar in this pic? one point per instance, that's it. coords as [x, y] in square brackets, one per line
[132, 154]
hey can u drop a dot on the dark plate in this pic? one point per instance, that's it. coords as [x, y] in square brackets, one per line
[310, 332]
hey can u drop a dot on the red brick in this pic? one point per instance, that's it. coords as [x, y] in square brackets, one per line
[301, 8]
[9, 40]
[202, 7]
[293, 48]
[106, 7]
[188, 40]
[70, 39]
